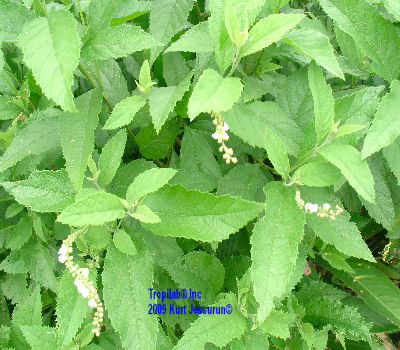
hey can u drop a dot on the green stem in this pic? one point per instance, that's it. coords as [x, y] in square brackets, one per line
[9, 83]
[81, 14]
[235, 62]
[272, 170]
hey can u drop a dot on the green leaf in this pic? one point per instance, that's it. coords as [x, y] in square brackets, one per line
[391, 154]
[214, 93]
[341, 233]
[116, 42]
[354, 169]
[43, 191]
[13, 210]
[386, 125]
[217, 329]
[277, 153]
[274, 246]
[324, 104]
[43, 40]
[319, 173]
[147, 182]
[36, 138]
[127, 303]
[20, 233]
[316, 46]
[198, 215]
[269, 30]
[124, 112]
[13, 16]
[196, 39]
[71, 309]
[145, 76]
[393, 8]
[277, 324]
[94, 209]
[348, 129]
[111, 157]
[77, 135]
[8, 109]
[374, 34]
[41, 338]
[123, 242]
[162, 100]
[144, 214]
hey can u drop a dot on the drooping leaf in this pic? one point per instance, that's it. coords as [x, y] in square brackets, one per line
[43, 40]
[198, 215]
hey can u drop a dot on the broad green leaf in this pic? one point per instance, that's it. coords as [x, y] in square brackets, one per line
[277, 153]
[199, 169]
[123, 242]
[277, 324]
[8, 109]
[393, 8]
[214, 93]
[274, 246]
[324, 104]
[372, 286]
[269, 30]
[175, 68]
[354, 169]
[162, 100]
[147, 182]
[391, 154]
[217, 329]
[374, 34]
[14, 287]
[250, 121]
[316, 46]
[43, 191]
[127, 303]
[196, 39]
[336, 259]
[348, 129]
[95, 209]
[198, 215]
[41, 338]
[233, 26]
[319, 174]
[44, 40]
[144, 214]
[111, 157]
[20, 233]
[124, 112]
[71, 309]
[36, 138]
[341, 233]
[386, 125]
[77, 135]
[145, 76]
[13, 210]
[116, 42]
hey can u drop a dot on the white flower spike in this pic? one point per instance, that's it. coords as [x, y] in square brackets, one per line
[221, 136]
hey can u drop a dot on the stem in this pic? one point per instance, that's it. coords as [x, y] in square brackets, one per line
[81, 14]
[236, 61]
[272, 170]
[159, 163]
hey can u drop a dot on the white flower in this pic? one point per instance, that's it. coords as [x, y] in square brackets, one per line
[85, 271]
[326, 206]
[92, 303]
[225, 127]
[314, 208]
[63, 250]
[62, 258]
[308, 206]
[84, 291]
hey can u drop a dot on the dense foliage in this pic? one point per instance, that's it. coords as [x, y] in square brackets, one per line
[246, 152]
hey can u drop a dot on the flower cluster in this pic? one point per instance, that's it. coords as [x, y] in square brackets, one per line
[83, 284]
[221, 136]
[311, 208]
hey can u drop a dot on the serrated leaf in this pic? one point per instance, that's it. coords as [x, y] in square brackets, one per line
[324, 104]
[341, 233]
[41, 338]
[316, 46]
[274, 246]
[94, 209]
[319, 173]
[218, 329]
[71, 309]
[348, 129]
[386, 125]
[214, 93]
[277, 324]
[277, 153]
[36, 138]
[144, 214]
[43, 191]
[116, 42]
[123, 242]
[127, 304]
[198, 215]
[124, 112]
[111, 157]
[8, 109]
[20, 233]
[162, 100]
[391, 154]
[354, 169]
[13, 210]
[77, 135]
[147, 182]
[43, 40]
[374, 34]
[196, 39]
[268, 31]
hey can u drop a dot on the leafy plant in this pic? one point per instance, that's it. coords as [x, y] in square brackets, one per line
[245, 152]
